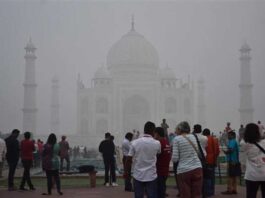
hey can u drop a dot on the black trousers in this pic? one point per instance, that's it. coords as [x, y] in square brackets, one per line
[53, 174]
[27, 164]
[12, 165]
[161, 186]
[67, 163]
[109, 164]
[128, 182]
[252, 188]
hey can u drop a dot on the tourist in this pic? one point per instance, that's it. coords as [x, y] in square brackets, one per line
[197, 129]
[2, 155]
[228, 127]
[64, 153]
[144, 151]
[51, 163]
[234, 169]
[126, 145]
[212, 153]
[241, 131]
[254, 149]
[12, 157]
[165, 126]
[27, 148]
[107, 148]
[163, 160]
[189, 169]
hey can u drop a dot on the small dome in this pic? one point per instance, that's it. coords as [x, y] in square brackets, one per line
[245, 48]
[30, 46]
[132, 50]
[167, 73]
[102, 72]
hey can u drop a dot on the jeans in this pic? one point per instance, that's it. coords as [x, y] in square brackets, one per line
[109, 164]
[161, 186]
[67, 163]
[252, 188]
[12, 165]
[149, 187]
[53, 174]
[27, 164]
[209, 183]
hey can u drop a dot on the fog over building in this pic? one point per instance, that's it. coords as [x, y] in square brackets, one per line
[55, 106]
[131, 90]
[246, 109]
[30, 86]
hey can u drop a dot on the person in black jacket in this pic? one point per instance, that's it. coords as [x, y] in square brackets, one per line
[12, 156]
[107, 148]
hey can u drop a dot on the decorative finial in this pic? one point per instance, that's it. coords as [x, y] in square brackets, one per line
[132, 29]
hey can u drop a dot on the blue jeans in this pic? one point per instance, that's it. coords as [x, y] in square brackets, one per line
[149, 187]
[161, 186]
[209, 183]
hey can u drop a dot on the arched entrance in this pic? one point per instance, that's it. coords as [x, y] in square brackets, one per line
[136, 112]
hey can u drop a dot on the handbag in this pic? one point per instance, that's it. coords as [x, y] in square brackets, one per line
[207, 171]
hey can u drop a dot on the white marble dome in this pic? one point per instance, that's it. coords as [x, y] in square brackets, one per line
[101, 73]
[132, 50]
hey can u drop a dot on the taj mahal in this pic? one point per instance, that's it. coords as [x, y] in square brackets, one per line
[131, 90]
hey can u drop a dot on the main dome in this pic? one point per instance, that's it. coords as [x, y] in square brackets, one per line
[132, 50]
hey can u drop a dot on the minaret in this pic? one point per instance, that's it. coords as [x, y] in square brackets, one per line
[246, 109]
[30, 86]
[55, 106]
[201, 114]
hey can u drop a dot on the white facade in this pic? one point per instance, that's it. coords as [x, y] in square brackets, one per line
[246, 108]
[131, 90]
[30, 86]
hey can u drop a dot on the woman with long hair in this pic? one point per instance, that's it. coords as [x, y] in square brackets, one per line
[254, 149]
[50, 163]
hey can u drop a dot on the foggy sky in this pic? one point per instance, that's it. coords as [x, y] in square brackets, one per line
[196, 38]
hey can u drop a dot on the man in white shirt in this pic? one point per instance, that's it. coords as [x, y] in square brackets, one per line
[197, 129]
[2, 154]
[144, 152]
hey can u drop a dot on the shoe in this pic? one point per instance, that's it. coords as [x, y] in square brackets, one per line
[107, 184]
[234, 192]
[60, 193]
[46, 193]
[114, 184]
[32, 188]
[227, 193]
[23, 189]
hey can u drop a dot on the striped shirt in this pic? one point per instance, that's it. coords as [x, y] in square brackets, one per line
[184, 154]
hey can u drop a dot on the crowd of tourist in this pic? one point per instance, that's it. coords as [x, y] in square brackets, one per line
[147, 157]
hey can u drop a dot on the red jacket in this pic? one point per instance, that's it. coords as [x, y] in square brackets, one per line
[163, 159]
[212, 150]
[27, 147]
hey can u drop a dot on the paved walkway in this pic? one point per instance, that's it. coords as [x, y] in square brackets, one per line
[102, 192]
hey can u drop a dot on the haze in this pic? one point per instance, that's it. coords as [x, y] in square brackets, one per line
[195, 38]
